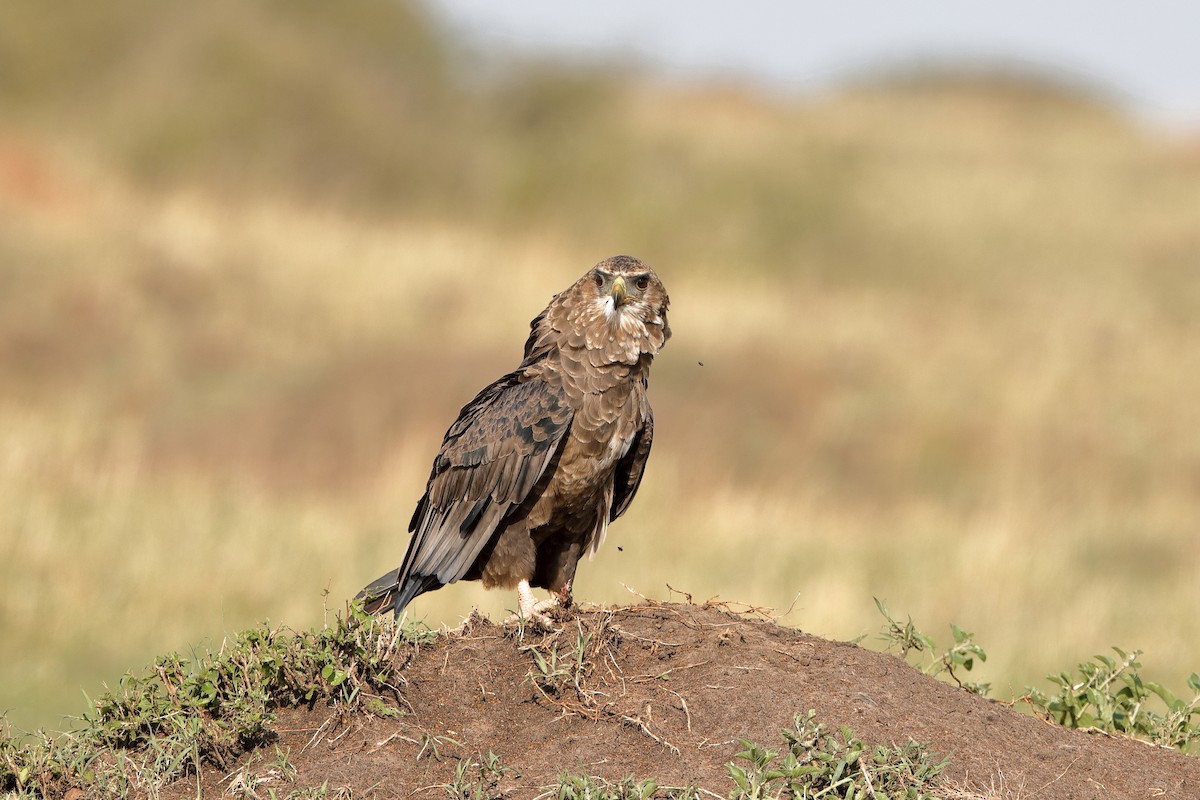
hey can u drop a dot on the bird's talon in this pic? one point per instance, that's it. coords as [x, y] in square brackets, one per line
[542, 606]
[535, 621]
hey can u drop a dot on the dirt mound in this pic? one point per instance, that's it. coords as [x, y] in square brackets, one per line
[665, 692]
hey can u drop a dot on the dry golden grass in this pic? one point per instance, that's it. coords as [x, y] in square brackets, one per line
[973, 394]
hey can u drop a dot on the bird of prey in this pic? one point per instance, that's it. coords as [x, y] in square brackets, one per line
[541, 461]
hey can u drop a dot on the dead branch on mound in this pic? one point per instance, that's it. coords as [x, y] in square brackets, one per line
[637, 722]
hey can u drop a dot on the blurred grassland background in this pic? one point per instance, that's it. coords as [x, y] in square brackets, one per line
[255, 255]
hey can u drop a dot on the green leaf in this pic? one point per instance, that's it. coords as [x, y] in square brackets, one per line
[335, 675]
[739, 776]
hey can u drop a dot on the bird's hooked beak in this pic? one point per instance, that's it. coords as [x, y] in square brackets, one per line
[618, 292]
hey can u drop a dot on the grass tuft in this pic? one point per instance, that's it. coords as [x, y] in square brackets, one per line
[477, 780]
[184, 714]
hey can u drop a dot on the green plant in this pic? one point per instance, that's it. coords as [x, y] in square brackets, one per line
[959, 658]
[553, 670]
[186, 713]
[477, 780]
[322, 792]
[549, 669]
[906, 638]
[1106, 694]
[582, 787]
[818, 764]
[1110, 695]
[432, 745]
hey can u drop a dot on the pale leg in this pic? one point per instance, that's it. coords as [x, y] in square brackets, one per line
[530, 610]
[526, 602]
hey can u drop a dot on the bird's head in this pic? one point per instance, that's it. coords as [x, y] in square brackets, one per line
[617, 312]
[631, 297]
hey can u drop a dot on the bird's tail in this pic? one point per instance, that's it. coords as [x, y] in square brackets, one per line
[380, 593]
[387, 592]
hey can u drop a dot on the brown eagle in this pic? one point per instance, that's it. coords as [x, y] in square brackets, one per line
[536, 466]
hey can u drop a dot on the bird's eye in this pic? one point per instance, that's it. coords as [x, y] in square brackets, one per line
[642, 282]
[599, 280]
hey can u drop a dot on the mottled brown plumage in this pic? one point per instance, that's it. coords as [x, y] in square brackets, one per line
[536, 466]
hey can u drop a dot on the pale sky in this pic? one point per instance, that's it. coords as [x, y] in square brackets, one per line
[1144, 55]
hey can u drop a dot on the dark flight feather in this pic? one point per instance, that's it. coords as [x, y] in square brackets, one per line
[630, 469]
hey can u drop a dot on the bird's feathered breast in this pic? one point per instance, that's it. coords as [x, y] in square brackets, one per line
[601, 353]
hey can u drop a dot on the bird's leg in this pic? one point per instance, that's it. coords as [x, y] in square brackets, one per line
[526, 603]
[529, 609]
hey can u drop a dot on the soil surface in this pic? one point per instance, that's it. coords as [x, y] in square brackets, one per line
[665, 692]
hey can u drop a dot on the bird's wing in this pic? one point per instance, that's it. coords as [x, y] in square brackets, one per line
[629, 471]
[490, 461]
